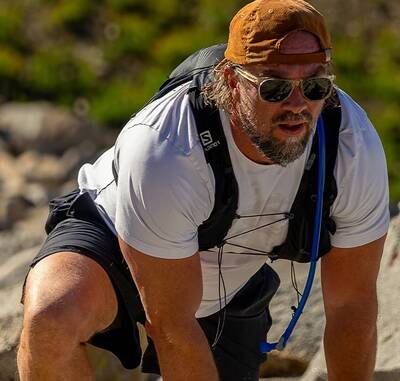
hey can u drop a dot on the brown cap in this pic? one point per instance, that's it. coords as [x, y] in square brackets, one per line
[257, 31]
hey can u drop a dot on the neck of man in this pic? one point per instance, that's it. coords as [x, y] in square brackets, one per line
[246, 146]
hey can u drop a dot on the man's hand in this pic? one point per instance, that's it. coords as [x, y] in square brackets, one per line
[171, 291]
[349, 288]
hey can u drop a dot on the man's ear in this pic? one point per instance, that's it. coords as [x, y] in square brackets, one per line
[232, 81]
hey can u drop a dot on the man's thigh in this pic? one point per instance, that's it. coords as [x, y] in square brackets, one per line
[79, 277]
[70, 288]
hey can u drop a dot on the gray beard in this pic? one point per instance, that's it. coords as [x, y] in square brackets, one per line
[281, 152]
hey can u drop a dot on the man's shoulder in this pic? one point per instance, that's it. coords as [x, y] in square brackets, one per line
[173, 102]
[360, 209]
[354, 117]
[166, 121]
[357, 134]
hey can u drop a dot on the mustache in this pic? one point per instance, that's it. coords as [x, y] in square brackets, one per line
[288, 116]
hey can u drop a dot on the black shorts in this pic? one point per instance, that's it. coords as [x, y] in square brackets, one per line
[74, 224]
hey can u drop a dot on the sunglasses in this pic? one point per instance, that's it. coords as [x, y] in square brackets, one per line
[278, 89]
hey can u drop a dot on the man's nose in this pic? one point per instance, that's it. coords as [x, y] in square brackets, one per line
[295, 102]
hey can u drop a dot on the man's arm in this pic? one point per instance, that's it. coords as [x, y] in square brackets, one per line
[349, 288]
[171, 291]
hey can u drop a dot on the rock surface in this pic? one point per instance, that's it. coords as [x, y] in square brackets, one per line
[41, 149]
[43, 128]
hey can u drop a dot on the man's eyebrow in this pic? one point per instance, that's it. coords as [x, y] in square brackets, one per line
[271, 72]
[320, 69]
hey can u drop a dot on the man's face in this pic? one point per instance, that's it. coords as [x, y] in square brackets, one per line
[279, 130]
[276, 132]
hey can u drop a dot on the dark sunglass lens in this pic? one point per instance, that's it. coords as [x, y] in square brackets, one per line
[316, 89]
[275, 90]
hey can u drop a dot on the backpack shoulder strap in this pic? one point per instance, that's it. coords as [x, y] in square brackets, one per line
[212, 232]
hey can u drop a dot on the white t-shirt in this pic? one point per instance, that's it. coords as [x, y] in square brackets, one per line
[166, 190]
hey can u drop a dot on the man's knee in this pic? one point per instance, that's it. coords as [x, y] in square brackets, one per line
[68, 297]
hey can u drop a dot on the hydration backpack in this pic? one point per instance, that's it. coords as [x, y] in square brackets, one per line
[198, 69]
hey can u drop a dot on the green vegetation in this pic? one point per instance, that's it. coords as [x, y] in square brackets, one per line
[113, 54]
[370, 72]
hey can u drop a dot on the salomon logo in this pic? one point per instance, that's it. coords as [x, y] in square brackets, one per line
[207, 141]
[206, 138]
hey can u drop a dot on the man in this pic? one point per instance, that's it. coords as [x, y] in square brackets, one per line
[83, 292]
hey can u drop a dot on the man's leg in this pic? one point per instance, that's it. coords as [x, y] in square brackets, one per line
[68, 298]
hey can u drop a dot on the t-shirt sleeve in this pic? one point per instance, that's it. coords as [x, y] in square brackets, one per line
[361, 209]
[163, 195]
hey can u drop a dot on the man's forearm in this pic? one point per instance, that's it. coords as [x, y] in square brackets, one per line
[184, 354]
[350, 346]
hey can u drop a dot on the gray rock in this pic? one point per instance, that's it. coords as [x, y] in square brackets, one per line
[12, 209]
[76, 156]
[42, 127]
[25, 234]
[12, 273]
[11, 181]
[388, 356]
[36, 194]
[47, 170]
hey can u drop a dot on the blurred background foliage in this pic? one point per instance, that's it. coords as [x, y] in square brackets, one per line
[104, 58]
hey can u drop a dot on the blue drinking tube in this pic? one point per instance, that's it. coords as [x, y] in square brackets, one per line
[280, 345]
